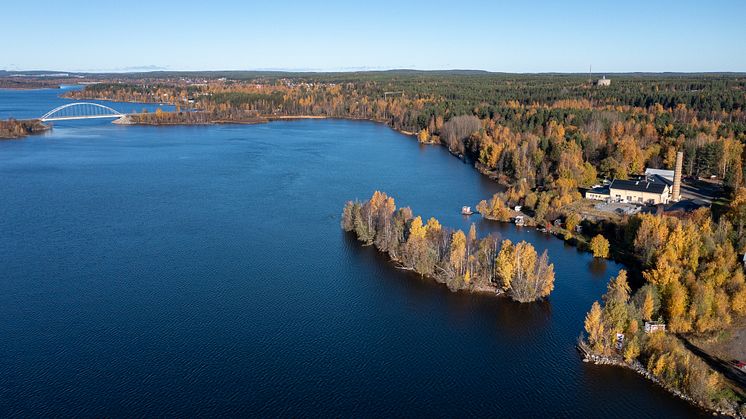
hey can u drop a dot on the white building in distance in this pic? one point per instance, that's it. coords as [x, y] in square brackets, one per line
[665, 174]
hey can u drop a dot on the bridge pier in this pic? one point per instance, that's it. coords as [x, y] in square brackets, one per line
[123, 120]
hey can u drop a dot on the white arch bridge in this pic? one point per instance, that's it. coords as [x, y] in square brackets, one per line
[80, 110]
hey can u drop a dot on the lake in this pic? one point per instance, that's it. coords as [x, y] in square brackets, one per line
[201, 271]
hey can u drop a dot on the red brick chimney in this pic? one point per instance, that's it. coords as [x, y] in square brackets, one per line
[676, 191]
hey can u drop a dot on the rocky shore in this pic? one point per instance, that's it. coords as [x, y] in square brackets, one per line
[12, 128]
[636, 366]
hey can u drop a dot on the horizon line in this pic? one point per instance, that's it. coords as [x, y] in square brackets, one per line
[350, 70]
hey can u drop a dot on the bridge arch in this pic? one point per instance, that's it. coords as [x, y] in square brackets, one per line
[80, 110]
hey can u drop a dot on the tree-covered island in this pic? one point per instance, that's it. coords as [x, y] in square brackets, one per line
[460, 260]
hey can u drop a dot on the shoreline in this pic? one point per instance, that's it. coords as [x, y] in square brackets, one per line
[637, 367]
[269, 118]
[490, 290]
[66, 96]
[24, 89]
[265, 119]
[272, 118]
[16, 129]
[262, 119]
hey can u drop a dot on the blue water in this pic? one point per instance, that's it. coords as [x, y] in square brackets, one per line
[185, 271]
[30, 104]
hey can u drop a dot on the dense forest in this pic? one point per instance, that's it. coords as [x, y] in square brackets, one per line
[458, 259]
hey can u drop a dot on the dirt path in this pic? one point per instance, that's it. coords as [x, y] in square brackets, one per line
[723, 366]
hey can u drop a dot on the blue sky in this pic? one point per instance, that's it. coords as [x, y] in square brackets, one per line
[508, 36]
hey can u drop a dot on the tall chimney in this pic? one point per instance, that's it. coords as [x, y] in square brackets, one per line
[676, 192]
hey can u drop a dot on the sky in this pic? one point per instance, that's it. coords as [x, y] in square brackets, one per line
[502, 36]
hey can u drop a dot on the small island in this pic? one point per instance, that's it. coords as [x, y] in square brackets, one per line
[459, 260]
[13, 128]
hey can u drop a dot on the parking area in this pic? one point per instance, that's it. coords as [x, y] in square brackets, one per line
[701, 190]
[618, 208]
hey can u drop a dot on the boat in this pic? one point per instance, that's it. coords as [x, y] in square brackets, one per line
[466, 210]
[519, 221]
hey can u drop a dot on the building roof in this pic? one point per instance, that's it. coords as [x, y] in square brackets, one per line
[660, 179]
[660, 172]
[644, 185]
[600, 190]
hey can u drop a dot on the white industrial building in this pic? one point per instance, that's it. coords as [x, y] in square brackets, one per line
[657, 186]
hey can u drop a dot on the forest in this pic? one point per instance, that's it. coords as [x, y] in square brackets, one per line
[460, 260]
[159, 117]
[693, 282]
